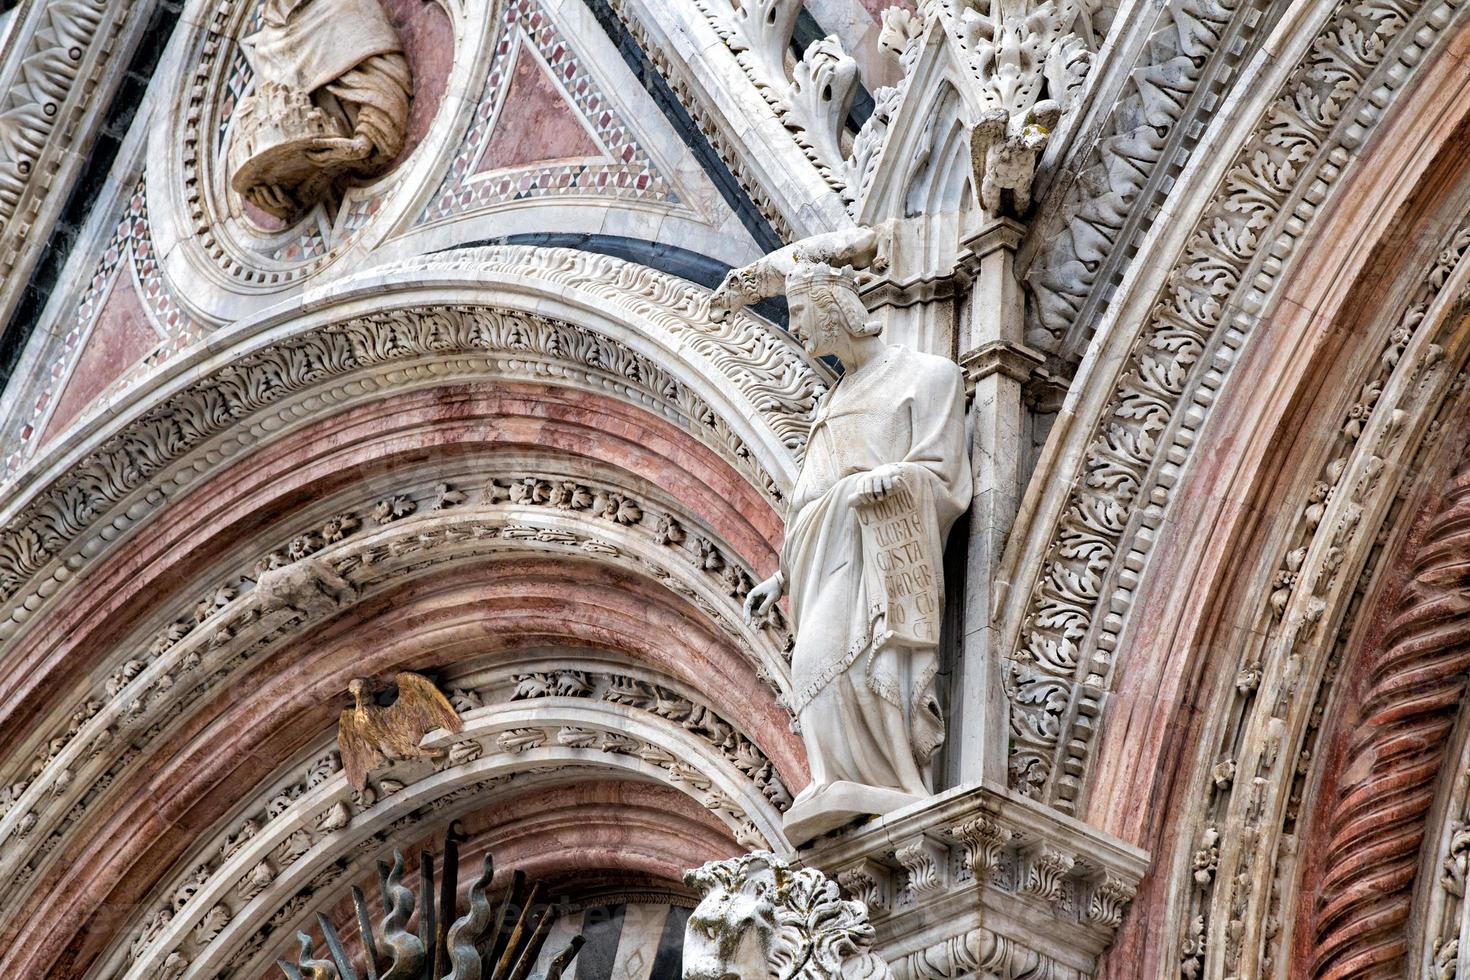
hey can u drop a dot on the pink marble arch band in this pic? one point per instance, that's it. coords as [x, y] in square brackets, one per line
[237, 736]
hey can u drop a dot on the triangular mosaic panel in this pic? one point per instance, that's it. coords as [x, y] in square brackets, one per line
[131, 242]
[628, 172]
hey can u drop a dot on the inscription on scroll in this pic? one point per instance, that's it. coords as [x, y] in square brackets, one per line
[899, 550]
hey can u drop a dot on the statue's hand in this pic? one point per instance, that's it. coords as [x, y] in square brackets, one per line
[271, 199]
[341, 150]
[759, 600]
[876, 484]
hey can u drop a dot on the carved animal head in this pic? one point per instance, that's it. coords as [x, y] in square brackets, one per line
[360, 690]
[740, 288]
[761, 918]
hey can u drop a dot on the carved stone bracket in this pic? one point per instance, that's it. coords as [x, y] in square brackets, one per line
[948, 884]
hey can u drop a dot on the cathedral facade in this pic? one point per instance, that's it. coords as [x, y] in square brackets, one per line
[732, 489]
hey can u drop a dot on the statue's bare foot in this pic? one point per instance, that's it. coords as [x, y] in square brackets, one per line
[341, 150]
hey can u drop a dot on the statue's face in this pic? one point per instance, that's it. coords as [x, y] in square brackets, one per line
[727, 937]
[816, 333]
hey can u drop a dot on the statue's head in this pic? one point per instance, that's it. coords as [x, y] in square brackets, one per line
[761, 918]
[826, 310]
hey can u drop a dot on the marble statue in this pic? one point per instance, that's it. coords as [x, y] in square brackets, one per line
[760, 917]
[886, 474]
[331, 101]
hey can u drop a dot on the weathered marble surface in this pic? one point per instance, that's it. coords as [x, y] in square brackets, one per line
[330, 102]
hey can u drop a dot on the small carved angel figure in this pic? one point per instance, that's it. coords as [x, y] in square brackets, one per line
[369, 735]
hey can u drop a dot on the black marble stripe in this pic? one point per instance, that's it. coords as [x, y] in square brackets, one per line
[668, 103]
[603, 929]
[87, 189]
[682, 262]
[669, 963]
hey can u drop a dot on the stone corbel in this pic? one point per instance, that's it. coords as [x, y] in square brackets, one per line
[926, 859]
[868, 881]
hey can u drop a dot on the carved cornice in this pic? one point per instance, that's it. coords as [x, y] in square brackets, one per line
[976, 848]
[166, 443]
[1279, 181]
[772, 167]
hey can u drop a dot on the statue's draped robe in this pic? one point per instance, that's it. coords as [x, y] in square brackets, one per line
[865, 600]
[346, 48]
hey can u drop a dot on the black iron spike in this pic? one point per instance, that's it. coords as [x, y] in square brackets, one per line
[428, 929]
[365, 930]
[491, 944]
[502, 965]
[448, 890]
[560, 962]
[533, 946]
[334, 946]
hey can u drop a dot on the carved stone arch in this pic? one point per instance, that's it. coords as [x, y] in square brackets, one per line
[149, 686]
[588, 321]
[498, 743]
[185, 755]
[555, 392]
[1188, 312]
[1236, 654]
[923, 169]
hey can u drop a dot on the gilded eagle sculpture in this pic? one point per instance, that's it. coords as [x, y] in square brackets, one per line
[369, 735]
[482, 944]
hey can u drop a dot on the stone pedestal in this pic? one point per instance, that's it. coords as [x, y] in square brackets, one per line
[978, 881]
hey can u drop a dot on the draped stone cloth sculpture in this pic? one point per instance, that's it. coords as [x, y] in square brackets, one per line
[886, 474]
[331, 101]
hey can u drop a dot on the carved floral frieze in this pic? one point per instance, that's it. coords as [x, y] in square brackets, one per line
[1247, 827]
[345, 559]
[1191, 56]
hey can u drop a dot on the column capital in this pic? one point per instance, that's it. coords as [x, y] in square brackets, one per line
[1013, 360]
[1000, 233]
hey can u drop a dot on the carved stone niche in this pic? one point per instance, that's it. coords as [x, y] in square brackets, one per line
[979, 881]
